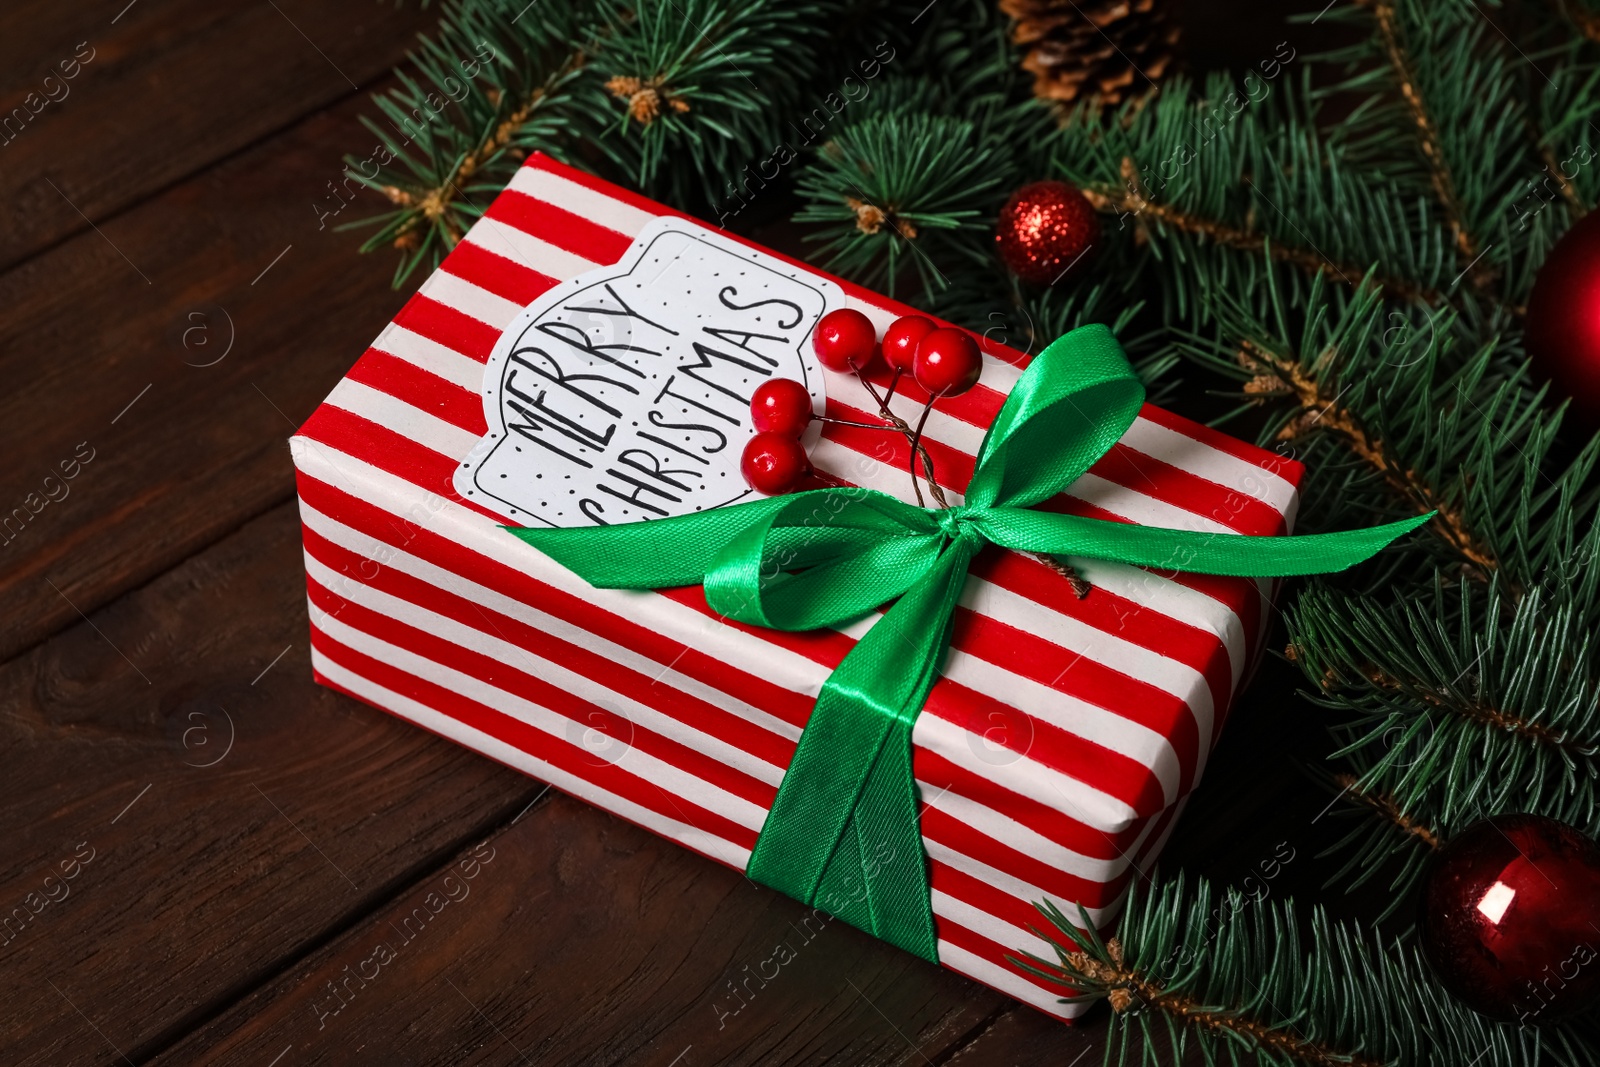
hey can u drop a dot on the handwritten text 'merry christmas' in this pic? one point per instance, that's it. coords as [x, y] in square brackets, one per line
[565, 395]
[628, 398]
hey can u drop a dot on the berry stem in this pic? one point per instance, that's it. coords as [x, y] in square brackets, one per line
[881, 401]
[927, 461]
[1080, 584]
[857, 425]
[893, 383]
[916, 445]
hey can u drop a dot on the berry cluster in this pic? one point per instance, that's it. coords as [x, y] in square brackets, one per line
[943, 361]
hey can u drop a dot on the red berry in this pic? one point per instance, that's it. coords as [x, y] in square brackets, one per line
[845, 340]
[900, 340]
[947, 362]
[781, 405]
[773, 463]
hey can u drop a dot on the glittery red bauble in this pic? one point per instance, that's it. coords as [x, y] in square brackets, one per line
[1511, 918]
[1045, 229]
[1563, 321]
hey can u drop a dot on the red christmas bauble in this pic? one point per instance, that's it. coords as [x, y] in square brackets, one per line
[1563, 322]
[900, 340]
[773, 463]
[781, 405]
[1511, 918]
[1045, 229]
[845, 340]
[948, 362]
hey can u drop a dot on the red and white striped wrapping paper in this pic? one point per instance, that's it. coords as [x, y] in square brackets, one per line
[1052, 757]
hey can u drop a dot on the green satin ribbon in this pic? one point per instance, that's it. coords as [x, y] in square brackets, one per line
[844, 832]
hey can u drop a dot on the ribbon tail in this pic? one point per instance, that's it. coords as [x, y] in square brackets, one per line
[845, 833]
[658, 554]
[877, 877]
[1189, 550]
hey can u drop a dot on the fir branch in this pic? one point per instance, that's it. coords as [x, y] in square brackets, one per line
[1444, 673]
[1256, 990]
[1322, 412]
[1487, 715]
[1387, 809]
[1569, 192]
[1099, 969]
[1413, 425]
[1384, 14]
[1129, 990]
[1227, 192]
[671, 99]
[435, 205]
[1446, 100]
[907, 188]
[689, 93]
[483, 91]
[1129, 198]
[1565, 116]
[1384, 837]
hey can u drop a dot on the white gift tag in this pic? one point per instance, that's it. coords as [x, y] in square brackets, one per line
[624, 394]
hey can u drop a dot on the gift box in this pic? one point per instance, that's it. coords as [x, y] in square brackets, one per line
[547, 373]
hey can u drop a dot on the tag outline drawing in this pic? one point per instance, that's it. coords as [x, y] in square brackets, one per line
[512, 339]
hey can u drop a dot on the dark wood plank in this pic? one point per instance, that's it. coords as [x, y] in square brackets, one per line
[580, 939]
[162, 90]
[186, 435]
[204, 870]
[222, 814]
[1023, 1038]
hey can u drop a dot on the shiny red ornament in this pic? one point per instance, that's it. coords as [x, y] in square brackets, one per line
[781, 405]
[1563, 321]
[948, 362]
[1045, 229]
[900, 340]
[845, 340]
[773, 463]
[1511, 918]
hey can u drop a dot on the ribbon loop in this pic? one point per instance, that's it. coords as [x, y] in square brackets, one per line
[1054, 426]
[844, 831]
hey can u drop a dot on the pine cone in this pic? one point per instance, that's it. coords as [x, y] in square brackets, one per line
[1105, 49]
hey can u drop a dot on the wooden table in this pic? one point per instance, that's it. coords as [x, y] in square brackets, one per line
[206, 857]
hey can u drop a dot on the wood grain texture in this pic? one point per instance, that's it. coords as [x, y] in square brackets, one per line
[572, 937]
[216, 891]
[163, 91]
[184, 390]
[1023, 1038]
[230, 818]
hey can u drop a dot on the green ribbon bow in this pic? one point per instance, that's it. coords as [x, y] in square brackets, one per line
[844, 831]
